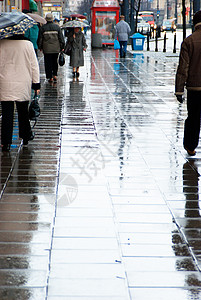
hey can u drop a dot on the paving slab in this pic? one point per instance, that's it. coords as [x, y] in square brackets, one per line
[104, 202]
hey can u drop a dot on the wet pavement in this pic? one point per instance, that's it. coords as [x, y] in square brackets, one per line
[104, 202]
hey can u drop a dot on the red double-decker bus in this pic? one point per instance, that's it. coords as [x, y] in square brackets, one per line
[148, 17]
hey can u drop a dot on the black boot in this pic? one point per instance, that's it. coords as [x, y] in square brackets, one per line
[74, 73]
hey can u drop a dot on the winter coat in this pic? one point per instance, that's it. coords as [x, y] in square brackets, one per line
[32, 35]
[78, 44]
[188, 71]
[51, 39]
[122, 31]
[19, 70]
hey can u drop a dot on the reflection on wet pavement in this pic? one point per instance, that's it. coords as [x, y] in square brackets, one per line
[28, 180]
[104, 203]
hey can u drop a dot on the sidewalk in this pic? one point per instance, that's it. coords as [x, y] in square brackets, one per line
[104, 203]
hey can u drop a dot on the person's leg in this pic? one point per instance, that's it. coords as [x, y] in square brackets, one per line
[55, 65]
[7, 122]
[192, 123]
[121, 48]
[77, 72]
[74, 72]
[124, 48]
[25, 131]
[48, 65]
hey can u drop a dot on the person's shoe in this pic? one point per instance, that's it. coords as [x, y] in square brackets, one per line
[50, 80]
[6, 148]
[55, 78]
[190, 152]
[74, 73]
[77, 74]
[25, 141]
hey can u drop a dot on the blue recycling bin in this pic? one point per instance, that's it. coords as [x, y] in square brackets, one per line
[137, 41]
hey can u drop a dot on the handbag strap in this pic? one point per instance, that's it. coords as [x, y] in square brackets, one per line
[34, 124]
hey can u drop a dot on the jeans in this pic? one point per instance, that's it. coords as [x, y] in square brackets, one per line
[7, 121]
[192, 123]
[123, 48]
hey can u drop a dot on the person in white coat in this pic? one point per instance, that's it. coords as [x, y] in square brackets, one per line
[19, 72]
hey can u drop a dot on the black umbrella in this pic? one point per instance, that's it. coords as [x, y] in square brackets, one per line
[14, 23]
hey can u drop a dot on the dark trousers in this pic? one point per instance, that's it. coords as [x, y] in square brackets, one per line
[192, 123]
[7, 121]
[123, 48]
[51, 64]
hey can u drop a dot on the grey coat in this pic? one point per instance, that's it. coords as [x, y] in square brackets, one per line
[122, 31]
[78, 44]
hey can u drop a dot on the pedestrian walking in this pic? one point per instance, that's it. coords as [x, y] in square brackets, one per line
[122, 32]
[19, 72]
[78, 42]
[32, 33]
[188, 75]
[51, 42]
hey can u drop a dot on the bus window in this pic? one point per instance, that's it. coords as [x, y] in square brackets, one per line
[147, 16]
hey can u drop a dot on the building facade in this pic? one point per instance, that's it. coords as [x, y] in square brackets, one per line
[43, 6]
[54, 6]
[12, 5]
[74, 5]
[19, 5]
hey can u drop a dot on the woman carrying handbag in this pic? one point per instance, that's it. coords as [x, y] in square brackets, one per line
[19, 72]
[78, 44]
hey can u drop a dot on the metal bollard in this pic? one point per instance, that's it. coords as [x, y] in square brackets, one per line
[164, 46]
[152, 33]
[156, 41]
[148, 41]
[174, 48]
